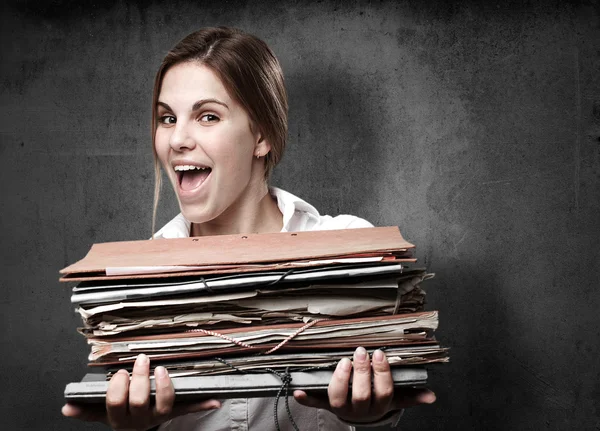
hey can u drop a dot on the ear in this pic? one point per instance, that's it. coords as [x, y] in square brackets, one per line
[262, 147]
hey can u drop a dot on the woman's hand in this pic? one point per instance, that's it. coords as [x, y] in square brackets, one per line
[128, 405]
[365, 404]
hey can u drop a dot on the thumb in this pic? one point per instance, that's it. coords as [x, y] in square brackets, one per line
[87, 413]
[311, 401]
[413, 397]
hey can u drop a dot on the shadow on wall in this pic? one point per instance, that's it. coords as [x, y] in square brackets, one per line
[333, 143]
[479, 387]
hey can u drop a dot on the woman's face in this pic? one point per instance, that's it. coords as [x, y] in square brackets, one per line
[205, 143]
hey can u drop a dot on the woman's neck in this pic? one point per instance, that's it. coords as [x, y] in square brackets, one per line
[255, 212]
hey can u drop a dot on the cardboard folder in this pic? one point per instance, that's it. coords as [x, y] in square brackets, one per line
[239, 253]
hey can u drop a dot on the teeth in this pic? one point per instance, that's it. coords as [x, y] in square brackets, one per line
[188, 168]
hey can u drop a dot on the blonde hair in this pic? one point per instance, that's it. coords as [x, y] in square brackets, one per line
[251, 74]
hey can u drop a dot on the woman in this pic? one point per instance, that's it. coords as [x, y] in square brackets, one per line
[219, 127]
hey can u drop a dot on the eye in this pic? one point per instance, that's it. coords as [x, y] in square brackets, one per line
[167, 119]
[208, 118]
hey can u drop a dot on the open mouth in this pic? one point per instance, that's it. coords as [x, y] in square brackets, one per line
[191, 177]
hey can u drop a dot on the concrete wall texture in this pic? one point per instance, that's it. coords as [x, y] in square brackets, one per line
[474, 126]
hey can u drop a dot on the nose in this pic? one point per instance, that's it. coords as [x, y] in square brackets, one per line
[180, 139]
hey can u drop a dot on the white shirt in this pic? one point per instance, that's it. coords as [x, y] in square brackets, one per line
[257, 413]
[298, 215]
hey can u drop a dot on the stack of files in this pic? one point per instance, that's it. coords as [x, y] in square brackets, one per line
[241, 306]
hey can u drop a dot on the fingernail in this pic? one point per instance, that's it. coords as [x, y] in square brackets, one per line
[378, 356]
[142, 359]
[428, 398]
[344, 364]
[160, 372]
[360, 354]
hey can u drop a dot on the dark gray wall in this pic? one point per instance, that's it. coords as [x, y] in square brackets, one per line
[473, 126]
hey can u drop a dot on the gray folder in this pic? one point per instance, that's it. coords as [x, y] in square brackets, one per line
[92, 388]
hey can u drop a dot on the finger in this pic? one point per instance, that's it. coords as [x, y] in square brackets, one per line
[303, 398]
[116, 399]
[165, 398]
[337, 390]
[139, 388]
[165, 394]
[361, 382]
[383, 383]
[411, 397]
[85, 413]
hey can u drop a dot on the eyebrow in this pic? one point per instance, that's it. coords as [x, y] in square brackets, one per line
[197, 105]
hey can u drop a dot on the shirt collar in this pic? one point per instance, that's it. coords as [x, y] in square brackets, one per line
[290, 206]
